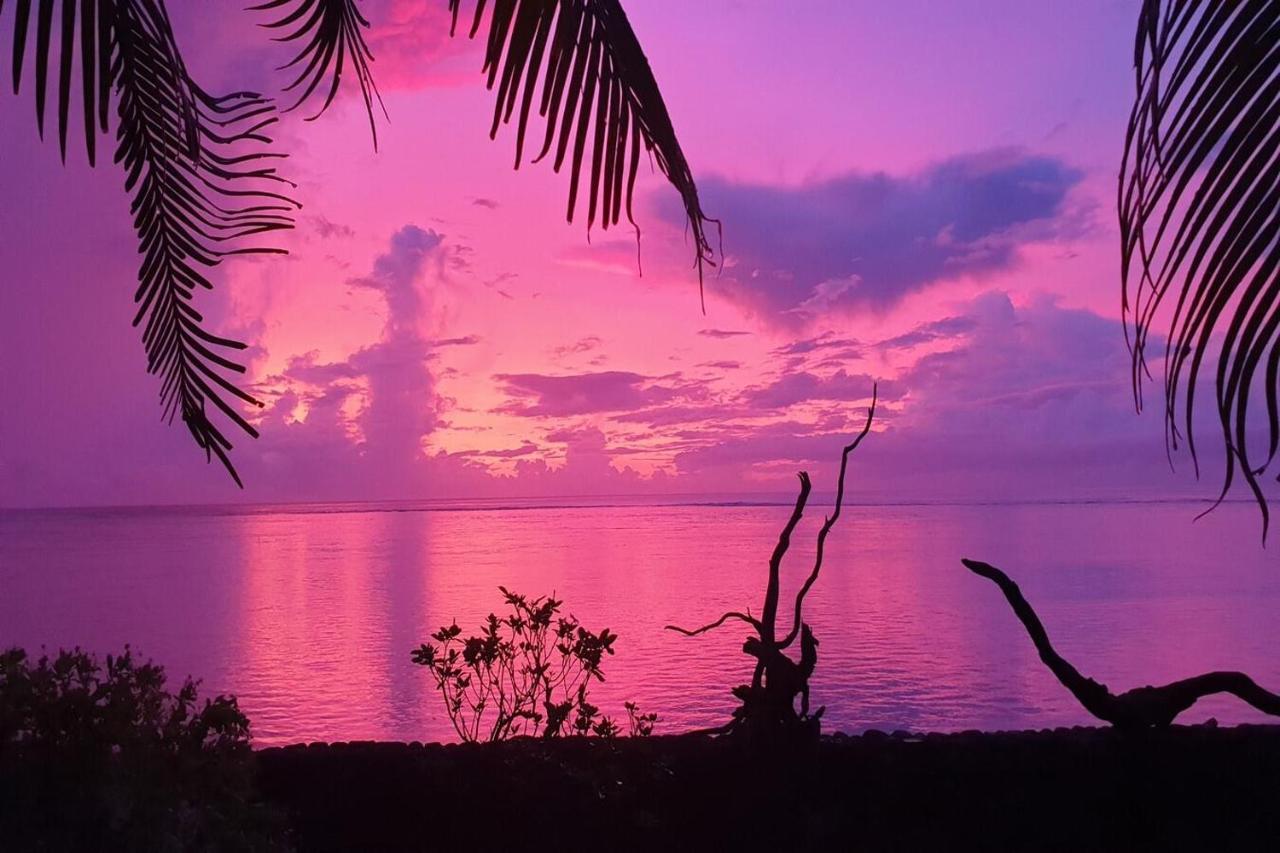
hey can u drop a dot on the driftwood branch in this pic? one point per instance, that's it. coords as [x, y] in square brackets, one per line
[829, 523]
[768, 702]
[769, 614]
[1142, 707]
[732, 614]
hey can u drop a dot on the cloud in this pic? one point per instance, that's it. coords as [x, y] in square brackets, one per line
[865, 241]
[486, 203]
[824, 341]
[944, 329]
[329, 230]
[612, 256]
[413, 47]
[801, 387]
[1029, 400]
[464, 341]
[582, 345]
[525, 449]
[541, 395]
[382, 444]
[395, 274]
[721, 333]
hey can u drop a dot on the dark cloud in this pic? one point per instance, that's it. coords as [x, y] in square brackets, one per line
[395, 274]
[1030, 401]
[329, 230]
[946, 328]
[825, 341]
[721, 333]
[579, 346]
[540, 395]
[864, 241]
[526, 449]
[485, 202]
[464, 341]
[801, 387]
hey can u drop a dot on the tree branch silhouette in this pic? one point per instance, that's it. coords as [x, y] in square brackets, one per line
[768, 702]
[1140, 708]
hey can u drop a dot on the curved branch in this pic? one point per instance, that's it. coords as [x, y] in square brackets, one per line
[1142, 707]
[732, 614]
[769, 615]
[830, 522]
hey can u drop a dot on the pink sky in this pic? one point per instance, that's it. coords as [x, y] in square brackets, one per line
[918, 193]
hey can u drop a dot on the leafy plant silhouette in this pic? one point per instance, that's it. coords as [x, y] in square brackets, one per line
[527, 673]
[96, 757]
[200, 168]
[768, 703]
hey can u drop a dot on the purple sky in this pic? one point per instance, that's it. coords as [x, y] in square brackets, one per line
[917, 193]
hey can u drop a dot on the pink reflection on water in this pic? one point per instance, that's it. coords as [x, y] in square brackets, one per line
[310, 616]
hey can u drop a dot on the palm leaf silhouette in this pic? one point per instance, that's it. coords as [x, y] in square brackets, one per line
[579, 60]
[331, 32]
[195, 168]
[1199, 203]
[597, 95]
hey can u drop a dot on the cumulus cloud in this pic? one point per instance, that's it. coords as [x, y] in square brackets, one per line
[864, 241]
[392, 377]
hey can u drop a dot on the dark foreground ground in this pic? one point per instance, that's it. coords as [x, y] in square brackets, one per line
[1198, 788]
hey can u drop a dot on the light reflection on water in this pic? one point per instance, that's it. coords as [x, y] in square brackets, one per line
[309, 617]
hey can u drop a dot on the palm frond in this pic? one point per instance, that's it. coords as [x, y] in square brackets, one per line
[196, 172]
[57, 32]
[1199, 204]
[598, 96]
[331, 32]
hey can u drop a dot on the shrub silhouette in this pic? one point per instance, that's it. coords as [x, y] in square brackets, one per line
[107, 758]
[527, 673]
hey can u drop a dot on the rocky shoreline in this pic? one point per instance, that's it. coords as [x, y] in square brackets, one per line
[1197, 787]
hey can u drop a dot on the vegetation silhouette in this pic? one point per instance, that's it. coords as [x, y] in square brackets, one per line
[1142, 707]
[96, 757]
[526, 673]
[768, 708]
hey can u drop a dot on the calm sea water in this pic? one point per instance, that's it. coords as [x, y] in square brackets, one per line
[308, 614]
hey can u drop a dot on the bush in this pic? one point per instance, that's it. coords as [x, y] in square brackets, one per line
[527, 673]
[107, 758]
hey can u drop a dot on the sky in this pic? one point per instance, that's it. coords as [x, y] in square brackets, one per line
[914, 194]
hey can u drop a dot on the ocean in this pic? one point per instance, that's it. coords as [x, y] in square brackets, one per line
[308, 613]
